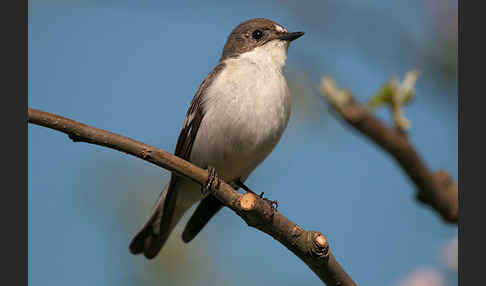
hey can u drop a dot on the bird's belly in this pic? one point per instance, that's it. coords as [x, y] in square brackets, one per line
[241, 127]
[235, 151]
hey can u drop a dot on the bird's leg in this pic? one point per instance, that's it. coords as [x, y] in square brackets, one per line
[213, 177]
[240, 184]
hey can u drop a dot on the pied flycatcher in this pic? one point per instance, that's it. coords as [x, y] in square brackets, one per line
[233, 123]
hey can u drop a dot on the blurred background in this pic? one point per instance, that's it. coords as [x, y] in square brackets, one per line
[132, 67]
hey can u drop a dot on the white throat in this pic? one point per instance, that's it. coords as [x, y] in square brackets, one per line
[272, 54]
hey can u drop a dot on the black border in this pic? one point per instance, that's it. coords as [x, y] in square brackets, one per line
[13, 208]
[471, 54]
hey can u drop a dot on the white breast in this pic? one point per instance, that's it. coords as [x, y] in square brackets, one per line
[247, 109]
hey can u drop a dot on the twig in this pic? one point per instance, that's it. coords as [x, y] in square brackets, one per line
[401, 92]
[436, 189]
[312, 247]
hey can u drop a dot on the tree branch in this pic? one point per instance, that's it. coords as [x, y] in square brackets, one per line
[436, 189]
[312, 247]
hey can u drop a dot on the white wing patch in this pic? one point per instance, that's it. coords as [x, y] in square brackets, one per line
[280, 28]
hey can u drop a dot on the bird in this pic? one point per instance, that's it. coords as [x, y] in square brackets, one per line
[234, 121]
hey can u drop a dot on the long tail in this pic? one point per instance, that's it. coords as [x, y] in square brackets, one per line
[153, 235]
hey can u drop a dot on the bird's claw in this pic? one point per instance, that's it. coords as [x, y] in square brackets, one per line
[273, 204]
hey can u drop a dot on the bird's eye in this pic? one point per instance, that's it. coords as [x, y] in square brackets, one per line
[257, 34]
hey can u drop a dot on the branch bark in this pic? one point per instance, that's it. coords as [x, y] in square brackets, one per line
[435, 189]
[312, 247]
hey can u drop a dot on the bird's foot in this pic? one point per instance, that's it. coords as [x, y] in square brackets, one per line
[273, 204]
[213, 178]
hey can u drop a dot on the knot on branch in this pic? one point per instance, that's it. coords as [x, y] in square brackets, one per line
[146, 153]
[316, 244]
[248, 202]
[254, 207]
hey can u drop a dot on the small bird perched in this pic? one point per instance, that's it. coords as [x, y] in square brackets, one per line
[233, 123]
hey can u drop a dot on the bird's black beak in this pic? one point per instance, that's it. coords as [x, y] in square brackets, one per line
[287, 36]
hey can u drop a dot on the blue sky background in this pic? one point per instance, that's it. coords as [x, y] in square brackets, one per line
[132, 67]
